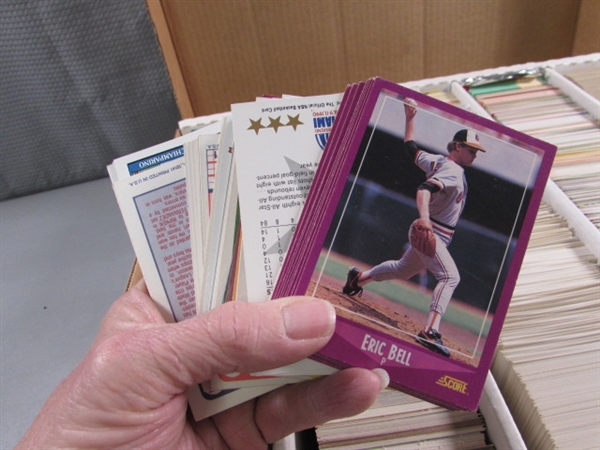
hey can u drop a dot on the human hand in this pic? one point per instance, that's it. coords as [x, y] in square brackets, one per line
[410, 107]
[130, 388]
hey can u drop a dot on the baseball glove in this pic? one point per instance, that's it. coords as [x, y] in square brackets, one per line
[421, 237]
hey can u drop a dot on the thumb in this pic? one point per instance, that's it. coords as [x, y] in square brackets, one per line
[242, 337]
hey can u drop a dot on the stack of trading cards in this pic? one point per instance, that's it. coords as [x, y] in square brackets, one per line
[398, 420]
[316, 195]
[550, 336]
[278, 147]
[548, 356]
[358, 214]
[541, 108]
[587, 77]
[200, 156]
[151, 189]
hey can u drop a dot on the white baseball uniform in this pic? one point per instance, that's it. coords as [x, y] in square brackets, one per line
[445, 206]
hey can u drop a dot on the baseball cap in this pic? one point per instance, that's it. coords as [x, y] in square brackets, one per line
[470, 138]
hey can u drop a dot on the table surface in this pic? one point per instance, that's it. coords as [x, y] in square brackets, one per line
[65, 257]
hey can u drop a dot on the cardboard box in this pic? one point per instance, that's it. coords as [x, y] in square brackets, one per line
[223, 52]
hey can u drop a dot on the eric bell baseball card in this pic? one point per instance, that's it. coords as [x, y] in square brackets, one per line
[419, 241]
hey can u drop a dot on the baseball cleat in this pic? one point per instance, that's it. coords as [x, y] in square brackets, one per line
[351, 287]
[433, 341]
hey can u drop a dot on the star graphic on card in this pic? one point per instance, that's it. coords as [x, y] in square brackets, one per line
[255, 125]
[294, 121]
[275, 123]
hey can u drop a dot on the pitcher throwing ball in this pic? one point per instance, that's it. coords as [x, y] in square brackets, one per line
[440, 201]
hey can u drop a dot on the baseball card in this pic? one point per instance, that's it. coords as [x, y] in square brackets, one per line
[416, 235]
[152, 195]
[278, 145]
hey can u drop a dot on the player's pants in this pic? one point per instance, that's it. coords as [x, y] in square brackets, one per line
[441, 266]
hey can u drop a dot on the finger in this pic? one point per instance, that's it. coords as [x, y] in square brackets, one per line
[241, 337]
[143, 307]
[304, 405]
[140, 285]
[133, 310]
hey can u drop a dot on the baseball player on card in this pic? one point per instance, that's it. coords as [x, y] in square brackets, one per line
[440, 201]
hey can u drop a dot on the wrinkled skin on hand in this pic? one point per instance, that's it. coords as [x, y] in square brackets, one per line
[130, 388]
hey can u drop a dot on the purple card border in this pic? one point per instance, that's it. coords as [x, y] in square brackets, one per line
[425, 376]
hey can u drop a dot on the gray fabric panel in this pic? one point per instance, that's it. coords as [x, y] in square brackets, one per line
[82, 82]
[65, 258]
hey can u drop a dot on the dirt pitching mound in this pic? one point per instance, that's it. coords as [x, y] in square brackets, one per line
[380, 317]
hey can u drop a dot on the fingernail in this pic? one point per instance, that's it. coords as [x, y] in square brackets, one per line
[384, 377]
[308, 319]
